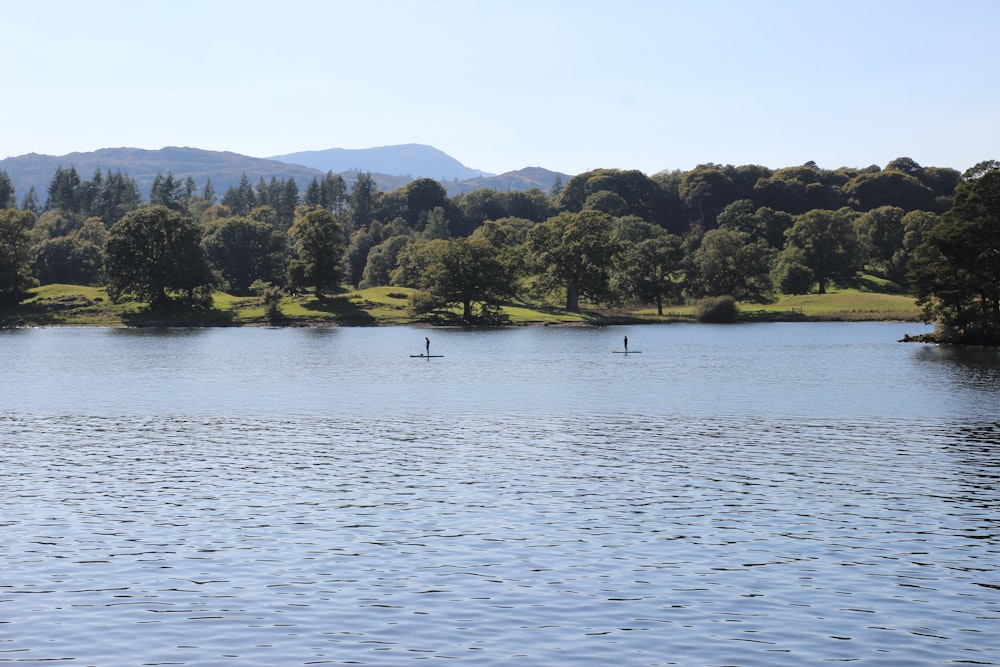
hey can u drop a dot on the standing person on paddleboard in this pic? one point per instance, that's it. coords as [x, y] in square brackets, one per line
[427, 345]
[626, 343]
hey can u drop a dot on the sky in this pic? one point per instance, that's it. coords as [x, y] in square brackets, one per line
[569, 85]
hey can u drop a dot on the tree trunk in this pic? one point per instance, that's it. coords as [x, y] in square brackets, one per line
[467, 311]
[573, 298]
[659, 305]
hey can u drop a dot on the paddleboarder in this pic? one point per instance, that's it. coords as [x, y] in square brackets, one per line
[626, 344]
[427, 345]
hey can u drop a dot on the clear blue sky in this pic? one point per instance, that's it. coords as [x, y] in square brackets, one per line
[569, 85]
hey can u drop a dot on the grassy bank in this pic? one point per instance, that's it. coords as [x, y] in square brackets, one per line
[73, 305]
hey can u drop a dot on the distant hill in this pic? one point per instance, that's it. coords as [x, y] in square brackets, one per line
[414, 160]
[226, 169]
[520, 180]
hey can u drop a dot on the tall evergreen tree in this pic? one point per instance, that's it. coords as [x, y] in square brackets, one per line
[8, 198]
[64, 191]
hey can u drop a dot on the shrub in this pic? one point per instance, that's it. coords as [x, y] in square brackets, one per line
[716, 310]
[272, 296]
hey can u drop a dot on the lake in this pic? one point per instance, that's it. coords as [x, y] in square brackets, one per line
[763, 494]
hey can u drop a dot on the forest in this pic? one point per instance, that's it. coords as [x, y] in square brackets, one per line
[607, 236]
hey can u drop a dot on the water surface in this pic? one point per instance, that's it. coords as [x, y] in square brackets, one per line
[775, 494]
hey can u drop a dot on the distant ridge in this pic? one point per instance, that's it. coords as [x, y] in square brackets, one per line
[415, 160]
[392, 167]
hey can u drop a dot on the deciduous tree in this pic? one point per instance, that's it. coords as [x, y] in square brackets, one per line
[649, 270]
[574, 251]
[470, 273]
[245, 251]
[730, 263]
[829, 245]
[153, 253]
[317, 237]
[15, 254]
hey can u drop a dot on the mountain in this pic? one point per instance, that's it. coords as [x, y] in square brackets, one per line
[520, 180]
[225, 169]
[392, 167]
[414, 160]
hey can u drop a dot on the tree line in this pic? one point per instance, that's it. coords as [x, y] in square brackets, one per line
[606, 236]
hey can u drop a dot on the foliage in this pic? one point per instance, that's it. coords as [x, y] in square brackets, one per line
[317, 242]
[414, 261]
[716, 310]
[8, 197]
[649, 270]
[15, 254]
[730, 262]
[154, 252]
[956, 271]
[244, 251]
[469, 273]
[574, 251]
[829, 245]
[272, 296]
[791, 273]
[68, 259]
[382, 260]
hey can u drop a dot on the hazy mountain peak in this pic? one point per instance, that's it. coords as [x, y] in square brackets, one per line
[414, 160]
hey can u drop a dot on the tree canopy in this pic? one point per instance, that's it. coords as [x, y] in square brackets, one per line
[956, 271]
[154, 253]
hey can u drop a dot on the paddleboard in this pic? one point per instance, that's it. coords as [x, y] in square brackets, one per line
[626, 351]
[426, 356]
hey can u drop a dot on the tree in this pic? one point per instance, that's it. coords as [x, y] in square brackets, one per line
[154, 252]
[362, 201]
[730, 263]
[880, 234]
[435, 224]
[916, 226]
[119, 196]
[574, 251]
[15, 254]
[414, 262]
[208, 192]
[245, 251]
[422, 196]
[469, 273]
[64, 190]
[8, 198]
[240, 199]
[167, 191]
[382, 260]
[829, 244]
[889, 188]
[791, 274]
[67, 259]
[637, 194]
[739, 216]
[649, 270]
[955, 275]
[30, 201]
[317, 241]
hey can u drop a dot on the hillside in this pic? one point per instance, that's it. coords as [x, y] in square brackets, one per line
[415, 160]
[397, 166]
[225, 169]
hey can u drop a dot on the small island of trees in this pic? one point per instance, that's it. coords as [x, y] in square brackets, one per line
[611, 237]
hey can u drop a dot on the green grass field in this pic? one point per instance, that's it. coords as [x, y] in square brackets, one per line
[73, 305]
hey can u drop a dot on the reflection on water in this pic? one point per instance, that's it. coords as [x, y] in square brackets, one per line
[276, 525]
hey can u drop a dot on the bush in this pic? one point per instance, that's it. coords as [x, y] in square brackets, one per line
[422, 303]
[717, 310]
[272, 296]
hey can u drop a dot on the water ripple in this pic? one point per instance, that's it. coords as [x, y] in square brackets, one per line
[531, 540]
